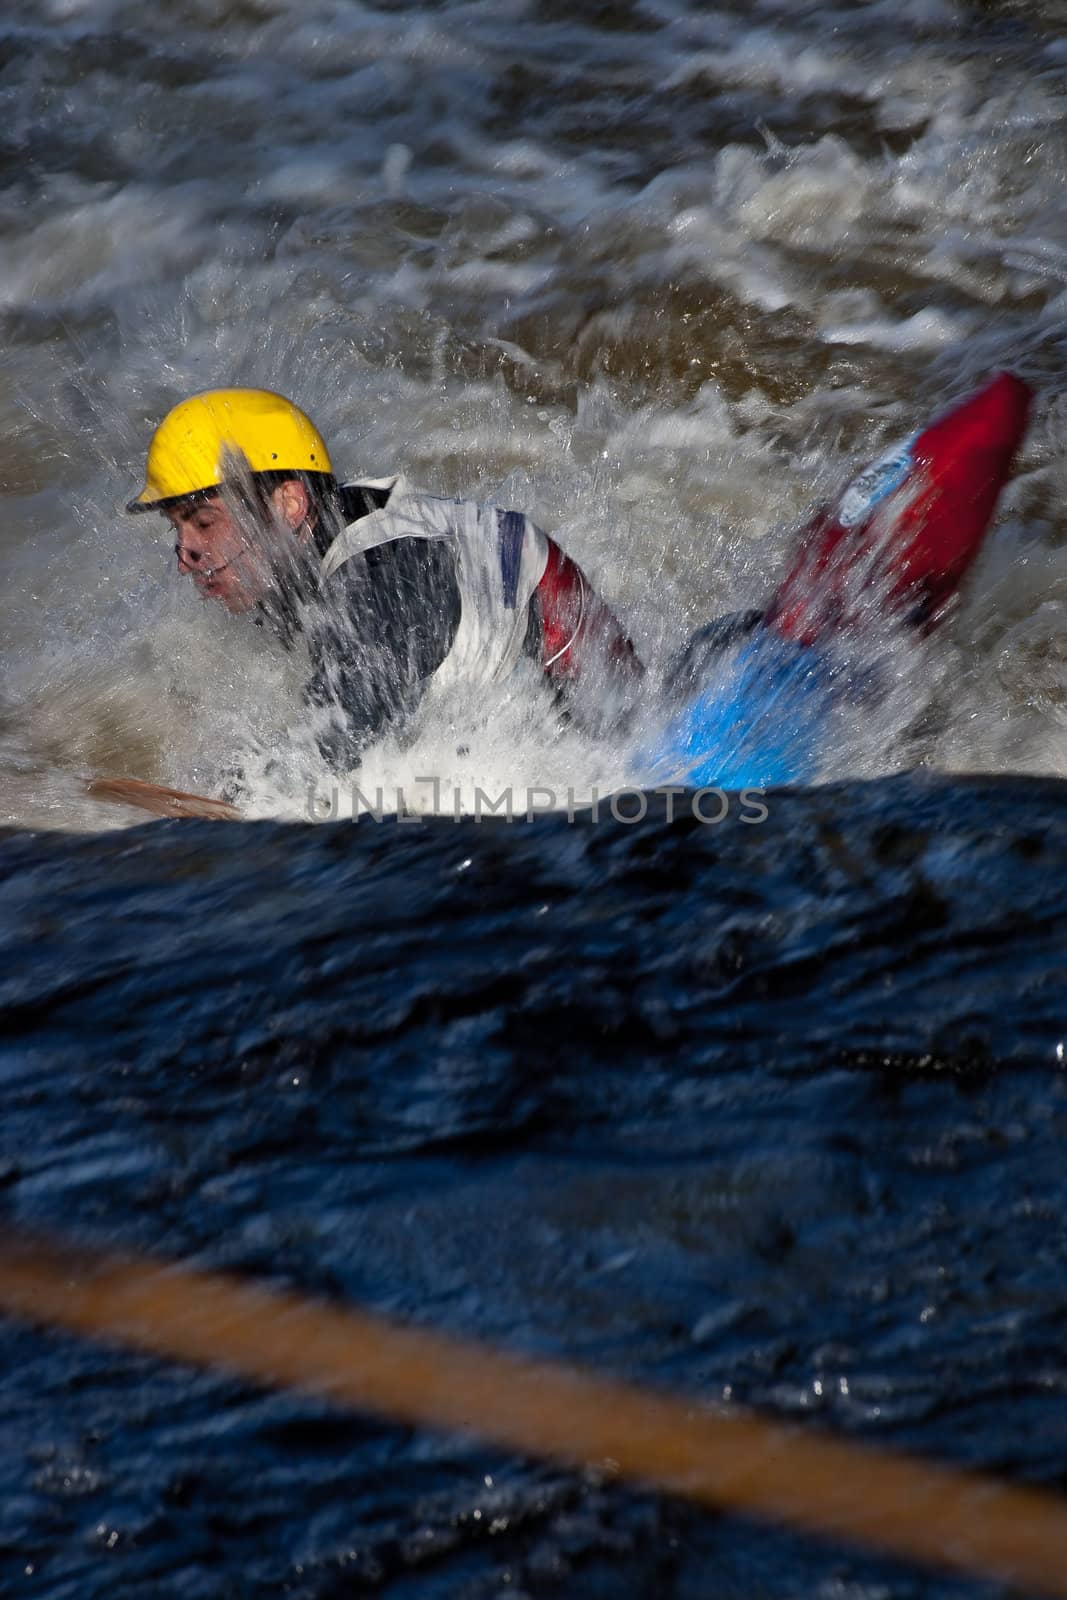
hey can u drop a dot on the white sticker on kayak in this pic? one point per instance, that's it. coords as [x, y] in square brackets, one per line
[874, 483]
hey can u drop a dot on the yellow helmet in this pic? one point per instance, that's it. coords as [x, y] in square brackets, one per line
[189, 448]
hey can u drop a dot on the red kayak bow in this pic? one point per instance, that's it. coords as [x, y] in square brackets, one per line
[909, 525]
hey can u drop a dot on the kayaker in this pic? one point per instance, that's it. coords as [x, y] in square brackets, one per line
[393, 589]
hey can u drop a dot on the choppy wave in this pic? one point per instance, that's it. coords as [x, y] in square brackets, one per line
[767, 1113]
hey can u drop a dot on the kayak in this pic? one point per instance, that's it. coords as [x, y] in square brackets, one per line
[882, 562]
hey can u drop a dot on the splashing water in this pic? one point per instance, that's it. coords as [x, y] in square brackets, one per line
[663, 286]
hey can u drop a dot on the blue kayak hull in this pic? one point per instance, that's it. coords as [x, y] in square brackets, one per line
[761, 719]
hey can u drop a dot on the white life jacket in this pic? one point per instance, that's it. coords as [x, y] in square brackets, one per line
[500, 560]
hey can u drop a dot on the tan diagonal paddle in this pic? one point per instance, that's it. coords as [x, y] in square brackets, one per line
[158, 801]
[894, 1503]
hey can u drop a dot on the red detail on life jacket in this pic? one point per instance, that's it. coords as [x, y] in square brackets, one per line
[945, 504]
[577, 627]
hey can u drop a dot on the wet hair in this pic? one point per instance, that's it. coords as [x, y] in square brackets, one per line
[332, 505]
[253, 491]
[324, 500]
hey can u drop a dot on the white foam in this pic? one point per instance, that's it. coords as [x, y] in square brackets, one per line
[926, 330]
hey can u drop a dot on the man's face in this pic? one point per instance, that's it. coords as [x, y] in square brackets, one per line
[225, 558]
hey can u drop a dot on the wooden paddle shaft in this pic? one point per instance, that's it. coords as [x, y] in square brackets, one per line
[894, 1503]
[159, 801]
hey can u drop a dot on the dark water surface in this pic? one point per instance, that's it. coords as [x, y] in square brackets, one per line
[774, 1113]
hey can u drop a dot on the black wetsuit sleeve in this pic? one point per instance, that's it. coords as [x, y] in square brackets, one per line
[388, 619]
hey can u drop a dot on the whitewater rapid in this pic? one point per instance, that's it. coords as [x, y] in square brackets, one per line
[662, 282]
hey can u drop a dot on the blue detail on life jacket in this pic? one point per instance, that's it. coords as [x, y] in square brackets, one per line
[511, 531]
